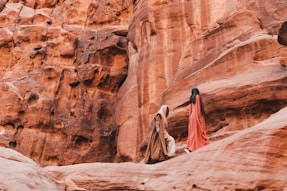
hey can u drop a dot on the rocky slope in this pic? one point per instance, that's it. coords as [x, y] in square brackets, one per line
[228, 49]
[81, 80]
[21, 173]
[254, 159]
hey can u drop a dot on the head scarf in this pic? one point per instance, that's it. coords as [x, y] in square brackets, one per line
[156, 149]
[163, 112]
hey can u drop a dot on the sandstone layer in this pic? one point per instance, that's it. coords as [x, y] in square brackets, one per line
[21, 173]
[254, 159]
[81, 80]
[228, 49]
[61, 65]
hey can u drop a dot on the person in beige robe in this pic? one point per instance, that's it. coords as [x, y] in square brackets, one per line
[161, 145]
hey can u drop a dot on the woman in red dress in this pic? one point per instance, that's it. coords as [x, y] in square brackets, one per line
[196, 127]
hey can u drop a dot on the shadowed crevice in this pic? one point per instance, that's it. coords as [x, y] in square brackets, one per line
[282, 35]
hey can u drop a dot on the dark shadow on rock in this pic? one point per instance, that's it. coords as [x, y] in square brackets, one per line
[282, 35]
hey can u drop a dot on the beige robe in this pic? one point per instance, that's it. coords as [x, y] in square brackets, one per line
[161, 145]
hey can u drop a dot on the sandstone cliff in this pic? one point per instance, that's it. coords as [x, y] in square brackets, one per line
[62, 63]
[81, 80]
[254, 159]
[228, 49]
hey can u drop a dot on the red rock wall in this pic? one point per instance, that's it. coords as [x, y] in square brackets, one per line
[253, 159]
[228, 49]
[61, 66]
[81, 80]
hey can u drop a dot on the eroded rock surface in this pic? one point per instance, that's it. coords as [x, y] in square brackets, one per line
[21, 173]
[254, 159]
[81, 80]
[228, 49]
[282, 35]
[59, 76]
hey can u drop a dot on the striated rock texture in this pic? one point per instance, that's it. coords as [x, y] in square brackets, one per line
[227, 48]
[61, 66]
[254, 159]
[21, 173]
[81, 80]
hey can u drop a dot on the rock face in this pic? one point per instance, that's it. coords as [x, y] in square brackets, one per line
[228, 49]
[61, 66]
[282, 35]
[21, 173]
[81, 80]
[254, 159]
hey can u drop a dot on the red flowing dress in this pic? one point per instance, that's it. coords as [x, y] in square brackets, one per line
[196, 127]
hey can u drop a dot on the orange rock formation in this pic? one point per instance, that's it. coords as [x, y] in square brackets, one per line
[228, 49]
[60, 74]
[253, 159]
[81, 80]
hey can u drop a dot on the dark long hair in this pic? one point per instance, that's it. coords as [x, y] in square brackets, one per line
[194, 93]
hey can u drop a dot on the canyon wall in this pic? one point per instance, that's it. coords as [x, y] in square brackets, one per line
[81, 80]
[61, 66]
[253, 159]
[228, 49]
